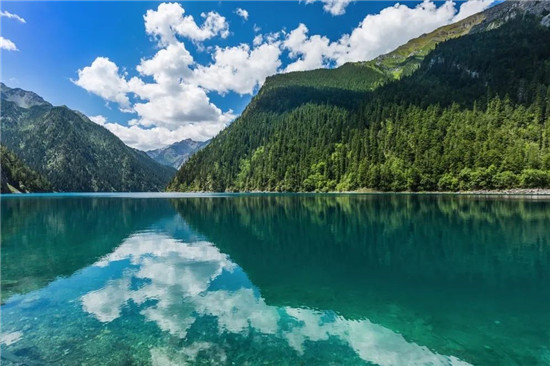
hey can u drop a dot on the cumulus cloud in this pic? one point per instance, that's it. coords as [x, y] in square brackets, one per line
[312, 52]
[168, 21]
[376, 34]
[170, 107]
[176, 104]
[6, 44]
[170, 90]
[393, 26]
[242, 13]
[187, 105]
[169, 65]
[151, 138]
[472, 7]
[7, 14]
[334, 7]
[240, 68]
[102, 78]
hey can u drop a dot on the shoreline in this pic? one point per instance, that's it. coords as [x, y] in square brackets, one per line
[519, 192]
[513, 192]
[480, 192]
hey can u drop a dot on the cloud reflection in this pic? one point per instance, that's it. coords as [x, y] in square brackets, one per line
[179, 278]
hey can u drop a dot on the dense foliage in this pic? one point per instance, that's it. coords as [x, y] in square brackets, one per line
[74, 153]
[19, 176]
[474, 115]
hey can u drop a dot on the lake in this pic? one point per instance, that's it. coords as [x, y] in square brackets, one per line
[138, 279]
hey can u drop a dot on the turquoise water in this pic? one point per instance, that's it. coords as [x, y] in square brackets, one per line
[275, 280]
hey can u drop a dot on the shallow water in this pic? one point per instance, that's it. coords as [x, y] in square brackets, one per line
[275, 279]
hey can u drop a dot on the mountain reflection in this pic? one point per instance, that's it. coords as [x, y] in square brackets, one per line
[45, 238]
[456, 274]
[422, 240]
[379, 279]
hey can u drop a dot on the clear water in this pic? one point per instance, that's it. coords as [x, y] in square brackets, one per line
[276, 280]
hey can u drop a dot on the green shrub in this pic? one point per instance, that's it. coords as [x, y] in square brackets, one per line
[534, 178]
[448, 182]
[506, 179]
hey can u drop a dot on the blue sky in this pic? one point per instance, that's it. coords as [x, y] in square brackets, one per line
[154, 73]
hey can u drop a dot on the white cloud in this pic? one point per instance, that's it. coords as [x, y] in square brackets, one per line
[187, 105]
[151, 138]
[6, 44]
[7, 14]
[242, 13]
[100, 120]
[170, 105]
[176, 105]
[376, 34]
[168, 21]
[169, 92]
[334, 7]
[102, 78]
[312, 52]
[240, 68]
[169, 65]
[258, 40]
[472, 7]
[393, 26]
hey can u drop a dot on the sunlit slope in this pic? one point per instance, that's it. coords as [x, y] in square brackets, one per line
[16, 176]
[471, 115]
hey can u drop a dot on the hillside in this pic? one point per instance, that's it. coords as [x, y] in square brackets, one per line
[177, 153]
[471, 112]
[72, 152]
[16, 176]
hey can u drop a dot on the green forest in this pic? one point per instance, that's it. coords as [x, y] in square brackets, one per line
[17, 176]
[474, 115]
[72, 152]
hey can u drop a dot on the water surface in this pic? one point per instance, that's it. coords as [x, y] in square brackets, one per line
[275, 279]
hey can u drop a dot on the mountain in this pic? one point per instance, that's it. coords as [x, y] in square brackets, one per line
[16, 176]
[177, 153]
[72, 152]
[464, 107]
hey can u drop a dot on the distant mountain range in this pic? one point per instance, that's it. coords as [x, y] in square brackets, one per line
[73, 153]
[177, 153]
[465, 107]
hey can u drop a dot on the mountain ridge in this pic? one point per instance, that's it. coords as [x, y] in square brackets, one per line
[74, 153]
[307, 132]
[176, 154]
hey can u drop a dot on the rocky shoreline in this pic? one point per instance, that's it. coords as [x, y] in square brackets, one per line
[514, 191]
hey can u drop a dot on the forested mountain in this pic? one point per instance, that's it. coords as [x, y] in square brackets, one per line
[16, 176]
[72, 152]
[177, 153]
[469, 112]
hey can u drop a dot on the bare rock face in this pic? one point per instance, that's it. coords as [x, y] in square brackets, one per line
[502, 13]
[22, 98]
[178, 153]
